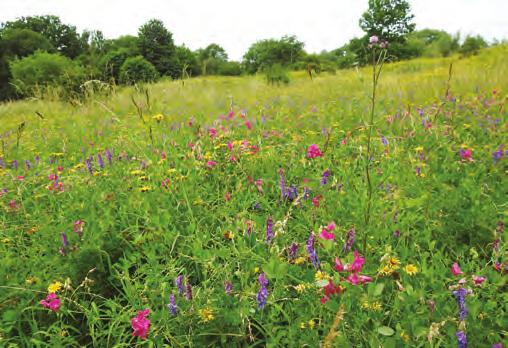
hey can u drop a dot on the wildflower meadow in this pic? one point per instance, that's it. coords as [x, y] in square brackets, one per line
[364, 208]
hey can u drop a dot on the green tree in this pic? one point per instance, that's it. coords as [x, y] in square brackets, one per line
[265, 53]
[230, 69]
[137, 69]
[42, 70]
[211, 58]
[128, 42]
[23, 42]
[63, 37]
[157, 46]
[111, 63]
[388, 19]
[472, 44]
[187, 62]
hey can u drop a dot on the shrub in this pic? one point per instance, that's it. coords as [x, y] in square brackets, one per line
[472, 45]
[137, 69]
[276, 74]
[230, 69]
[111, 63]
[42, 70]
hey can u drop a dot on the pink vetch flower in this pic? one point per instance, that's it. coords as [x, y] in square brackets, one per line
[358, 262]
[356, 279]
[51, 302]
[373, 40]
[140, 324]
[466, 155]
[478, 280]
[315, 201]
[210, 164]
[313, 151]
[330, 289]
[20, 178]
[248, 125]
[339, 267]
[213, 132]
[456, 269]
[326, 232]
[230, 146]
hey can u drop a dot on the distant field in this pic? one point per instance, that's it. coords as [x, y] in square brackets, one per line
[109, 199]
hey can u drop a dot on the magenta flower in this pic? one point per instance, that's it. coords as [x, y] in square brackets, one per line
[339, 267]
[248, 125]
[314, 151]
[358, 262]
[456, 269]
[213, 132]
[140, 324]
[210, 164]
[478, 280]
[356, 279]
[466, 155]
[326, 232]
[373, 40]
[51, 302]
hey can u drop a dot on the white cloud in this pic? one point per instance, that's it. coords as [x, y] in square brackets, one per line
[235, 25]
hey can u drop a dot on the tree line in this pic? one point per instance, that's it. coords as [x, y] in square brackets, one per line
[41, 51]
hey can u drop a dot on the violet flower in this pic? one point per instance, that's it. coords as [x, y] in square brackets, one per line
[179, 284]
[461, 339]
[324, 179]
[172, 305]
[269, 230]
[293, 249]
[100, 161]
[350, 240]
[282, 184]
[312, 252]
[460, 295]
[263, 291]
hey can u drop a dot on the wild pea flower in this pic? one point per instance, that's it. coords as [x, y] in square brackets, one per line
[460, 295]
[140, 324]
[213, 132]
[350, 240]
[456, 269]
[263, 291]
[269, 230]
[292, 193]
[498, 154]
[461, 339]
[89, 166]
[384, 141]
[65, 243]
[51, 302]
[15, 164]
[466, 155]
[27, 164]
[228, 287]
[312, 252]
[248, 125]
[78, 227]
[330, 289]
[326, 232]
[188, 291]
[100, 161]
[324, 178]
[478, 280]
[306, 190]
[282, 184]
[314, 151]
[210, 164]
[172, 305]
[293, 249]
[179, 284]
[109, 157]
[356, 279]
[358, 262]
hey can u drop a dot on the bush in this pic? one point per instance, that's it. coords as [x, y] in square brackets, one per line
[472, 45]
[230, 69]
[111, 63]
[276, 74]
[137, 69]
[42, 70]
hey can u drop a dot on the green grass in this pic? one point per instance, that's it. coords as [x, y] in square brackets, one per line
[158, 211]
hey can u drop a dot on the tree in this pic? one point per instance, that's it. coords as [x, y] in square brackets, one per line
[211, 58]
[388, 19]
[266, 53]
[187, 62]
[137, 69]
[42, 70]
[63, 37]
[471, 45]
[127, 42]
[111, 63]
[23, 42]
[157, 46]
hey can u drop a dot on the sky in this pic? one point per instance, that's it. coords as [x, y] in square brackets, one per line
[235, 25]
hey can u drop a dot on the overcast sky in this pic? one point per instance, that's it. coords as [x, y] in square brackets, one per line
[235, 25]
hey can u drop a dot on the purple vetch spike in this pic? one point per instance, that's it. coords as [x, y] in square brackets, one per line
[292, 193]
[27, 164]
[384, 141]
[179, 284]
[282, 184]
[262, 295]
[306, 193]
[37, 159]
[324, 178]
[293, 249]
[100, 161]
[312, 252]
[15, 164]
[172, 305]
[89, 166]
[228, 287]
[109, 157]
[350, 240]
[269, 230]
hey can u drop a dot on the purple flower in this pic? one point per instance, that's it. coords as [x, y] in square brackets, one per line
[282, 184]
[263, 291]
[373, 40]
[269, 230]
[15, 164]
[292, 192]
[312, 252]
[418, 171]
[188, 291]
[498, 154]
[384, 140]
[172, 305]
[293, 249]
[89, 166]
[65, 240]
[228, 287]
[257, 206]
[109, 157]
[350, 239]
[179, 284]
[2, 163]
[27, 164]
[460, 295]
[497, 345]
[396, 234]
[324, 179]
[37, 159]
[100, 161]
[461, 339]
[306, 193]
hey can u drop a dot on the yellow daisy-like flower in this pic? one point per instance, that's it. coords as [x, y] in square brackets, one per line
[299, 260]
[206, 314]
[158, 117]
[394, 262]
[365, 304]
[53, 288]
[321, 276]
[302, 325]
[386, 271]
[405, 337]
[411, 269]
[137, 172]
[376, 306]
[300, 288]
[145, 189]
[312, 324]
[256, 269]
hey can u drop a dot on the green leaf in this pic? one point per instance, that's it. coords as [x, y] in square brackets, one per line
[385, 331]
[379, 289]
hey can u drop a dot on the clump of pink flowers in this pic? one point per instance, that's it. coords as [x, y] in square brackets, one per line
[140, 324]
[354, 269]
[314, 151]
[456, 269]
[466, 154]
[51, 302]
[326, 232]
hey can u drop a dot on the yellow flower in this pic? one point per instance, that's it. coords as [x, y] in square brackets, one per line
[405, 337]
[386, 271]
[145, 189]
[376, 306]
[411, 269]
[300, 288]
[256, 269]
[53, 288]
[302, 325]
[136, 172]
[229, 235]
[299, 260]
[321, 276]
[394, 262]
[64, 333]
[158, 117]
[482, 315]
[365, 304]
[312, 324]
[206, 314]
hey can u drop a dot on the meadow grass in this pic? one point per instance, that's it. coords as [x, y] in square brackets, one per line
[108, 200]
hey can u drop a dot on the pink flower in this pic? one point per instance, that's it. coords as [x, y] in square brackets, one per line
[356, 279]
[373, 40]
[230, 146]
[330, 289]
[51, 302]
[213, 132]
[20, 177]
[478, 280]
[231, 114]
[314, 151]
[326, 232]
[357, 262]
[140, 324]
[248, 125]
[339, 267]
[456, 269]
[210, 164]
[227, 197]
[466, 155]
